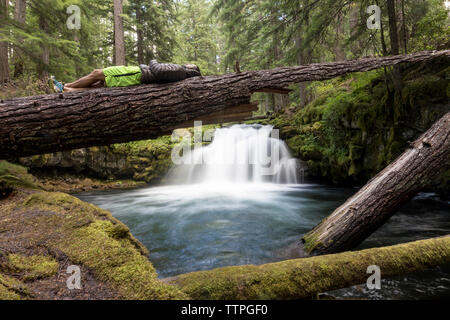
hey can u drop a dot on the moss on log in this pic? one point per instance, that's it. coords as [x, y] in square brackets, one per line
[304, 278]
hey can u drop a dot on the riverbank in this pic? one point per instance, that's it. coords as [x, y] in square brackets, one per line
[42, 233]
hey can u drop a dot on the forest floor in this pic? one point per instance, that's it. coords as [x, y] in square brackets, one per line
[42, 233]
[38, 272]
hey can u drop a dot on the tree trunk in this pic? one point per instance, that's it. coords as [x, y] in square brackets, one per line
[4, 64]
[300, 61]
[354, 21]
[45, 56]
[306, 277]
[339, 51]
[383, 42]
[393, 33]
[280, 100]
[395, 47]
[20, 13]
[377, 201]
[58, 122]
[405, 38]
[119, 42]
[140, 36]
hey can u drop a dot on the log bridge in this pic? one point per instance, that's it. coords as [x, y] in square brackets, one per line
[66, 121]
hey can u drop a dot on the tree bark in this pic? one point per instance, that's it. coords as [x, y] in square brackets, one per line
[119, 42]
[4, 64]
[405, 37]
[395, 46]
[140, 35]
[280, 100]
[45, 55]
[300, 61]
[377, 201]
[354, 21]
[20, 13]
[59, 122]
[306, 277]
[339, 51]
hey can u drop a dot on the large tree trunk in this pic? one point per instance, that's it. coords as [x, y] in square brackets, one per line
[395, 46]
[300, 61]
[306, 277]
[339, 51]
[4, 64]
[280, 100]
[140, 35]
[20, 13]
[119, 42]
[377, 201]
[45, 55]
[405, 37]
[58, 122]
[354, 21]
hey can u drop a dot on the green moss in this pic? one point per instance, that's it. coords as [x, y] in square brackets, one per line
[12, 289]
[15, 176]
[304, 278]
[114, 262]
[91, 237]
[355, 127]
[14, 182]
[310, 242]
[7, 168]
[33, 267]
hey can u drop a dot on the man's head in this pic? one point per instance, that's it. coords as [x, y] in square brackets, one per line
[192, 70]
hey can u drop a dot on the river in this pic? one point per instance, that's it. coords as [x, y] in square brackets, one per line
[218, 213]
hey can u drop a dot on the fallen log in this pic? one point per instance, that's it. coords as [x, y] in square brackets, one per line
[306, 277]
[59, 122]
[377, 201]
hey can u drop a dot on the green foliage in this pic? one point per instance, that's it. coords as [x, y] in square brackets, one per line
[197, 37]
[354, 128]
[32, 267]
[432, 28]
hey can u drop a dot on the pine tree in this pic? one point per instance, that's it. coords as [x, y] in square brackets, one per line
[119, 42]
[4, 63]
[20, 12]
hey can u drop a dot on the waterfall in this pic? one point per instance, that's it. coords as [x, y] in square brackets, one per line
[239, 154]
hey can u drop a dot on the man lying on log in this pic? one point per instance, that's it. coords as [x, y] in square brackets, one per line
[124, 76]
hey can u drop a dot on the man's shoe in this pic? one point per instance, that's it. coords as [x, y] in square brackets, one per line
[58, 86]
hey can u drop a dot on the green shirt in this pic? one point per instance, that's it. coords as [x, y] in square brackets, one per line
[122, 76]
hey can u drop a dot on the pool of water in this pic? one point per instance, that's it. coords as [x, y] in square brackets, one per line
[204, 226]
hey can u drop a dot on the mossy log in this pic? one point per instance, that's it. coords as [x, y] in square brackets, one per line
[377, 201]
[305, 277]
[59, 122]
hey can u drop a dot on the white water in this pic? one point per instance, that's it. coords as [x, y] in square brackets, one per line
[240, 154]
